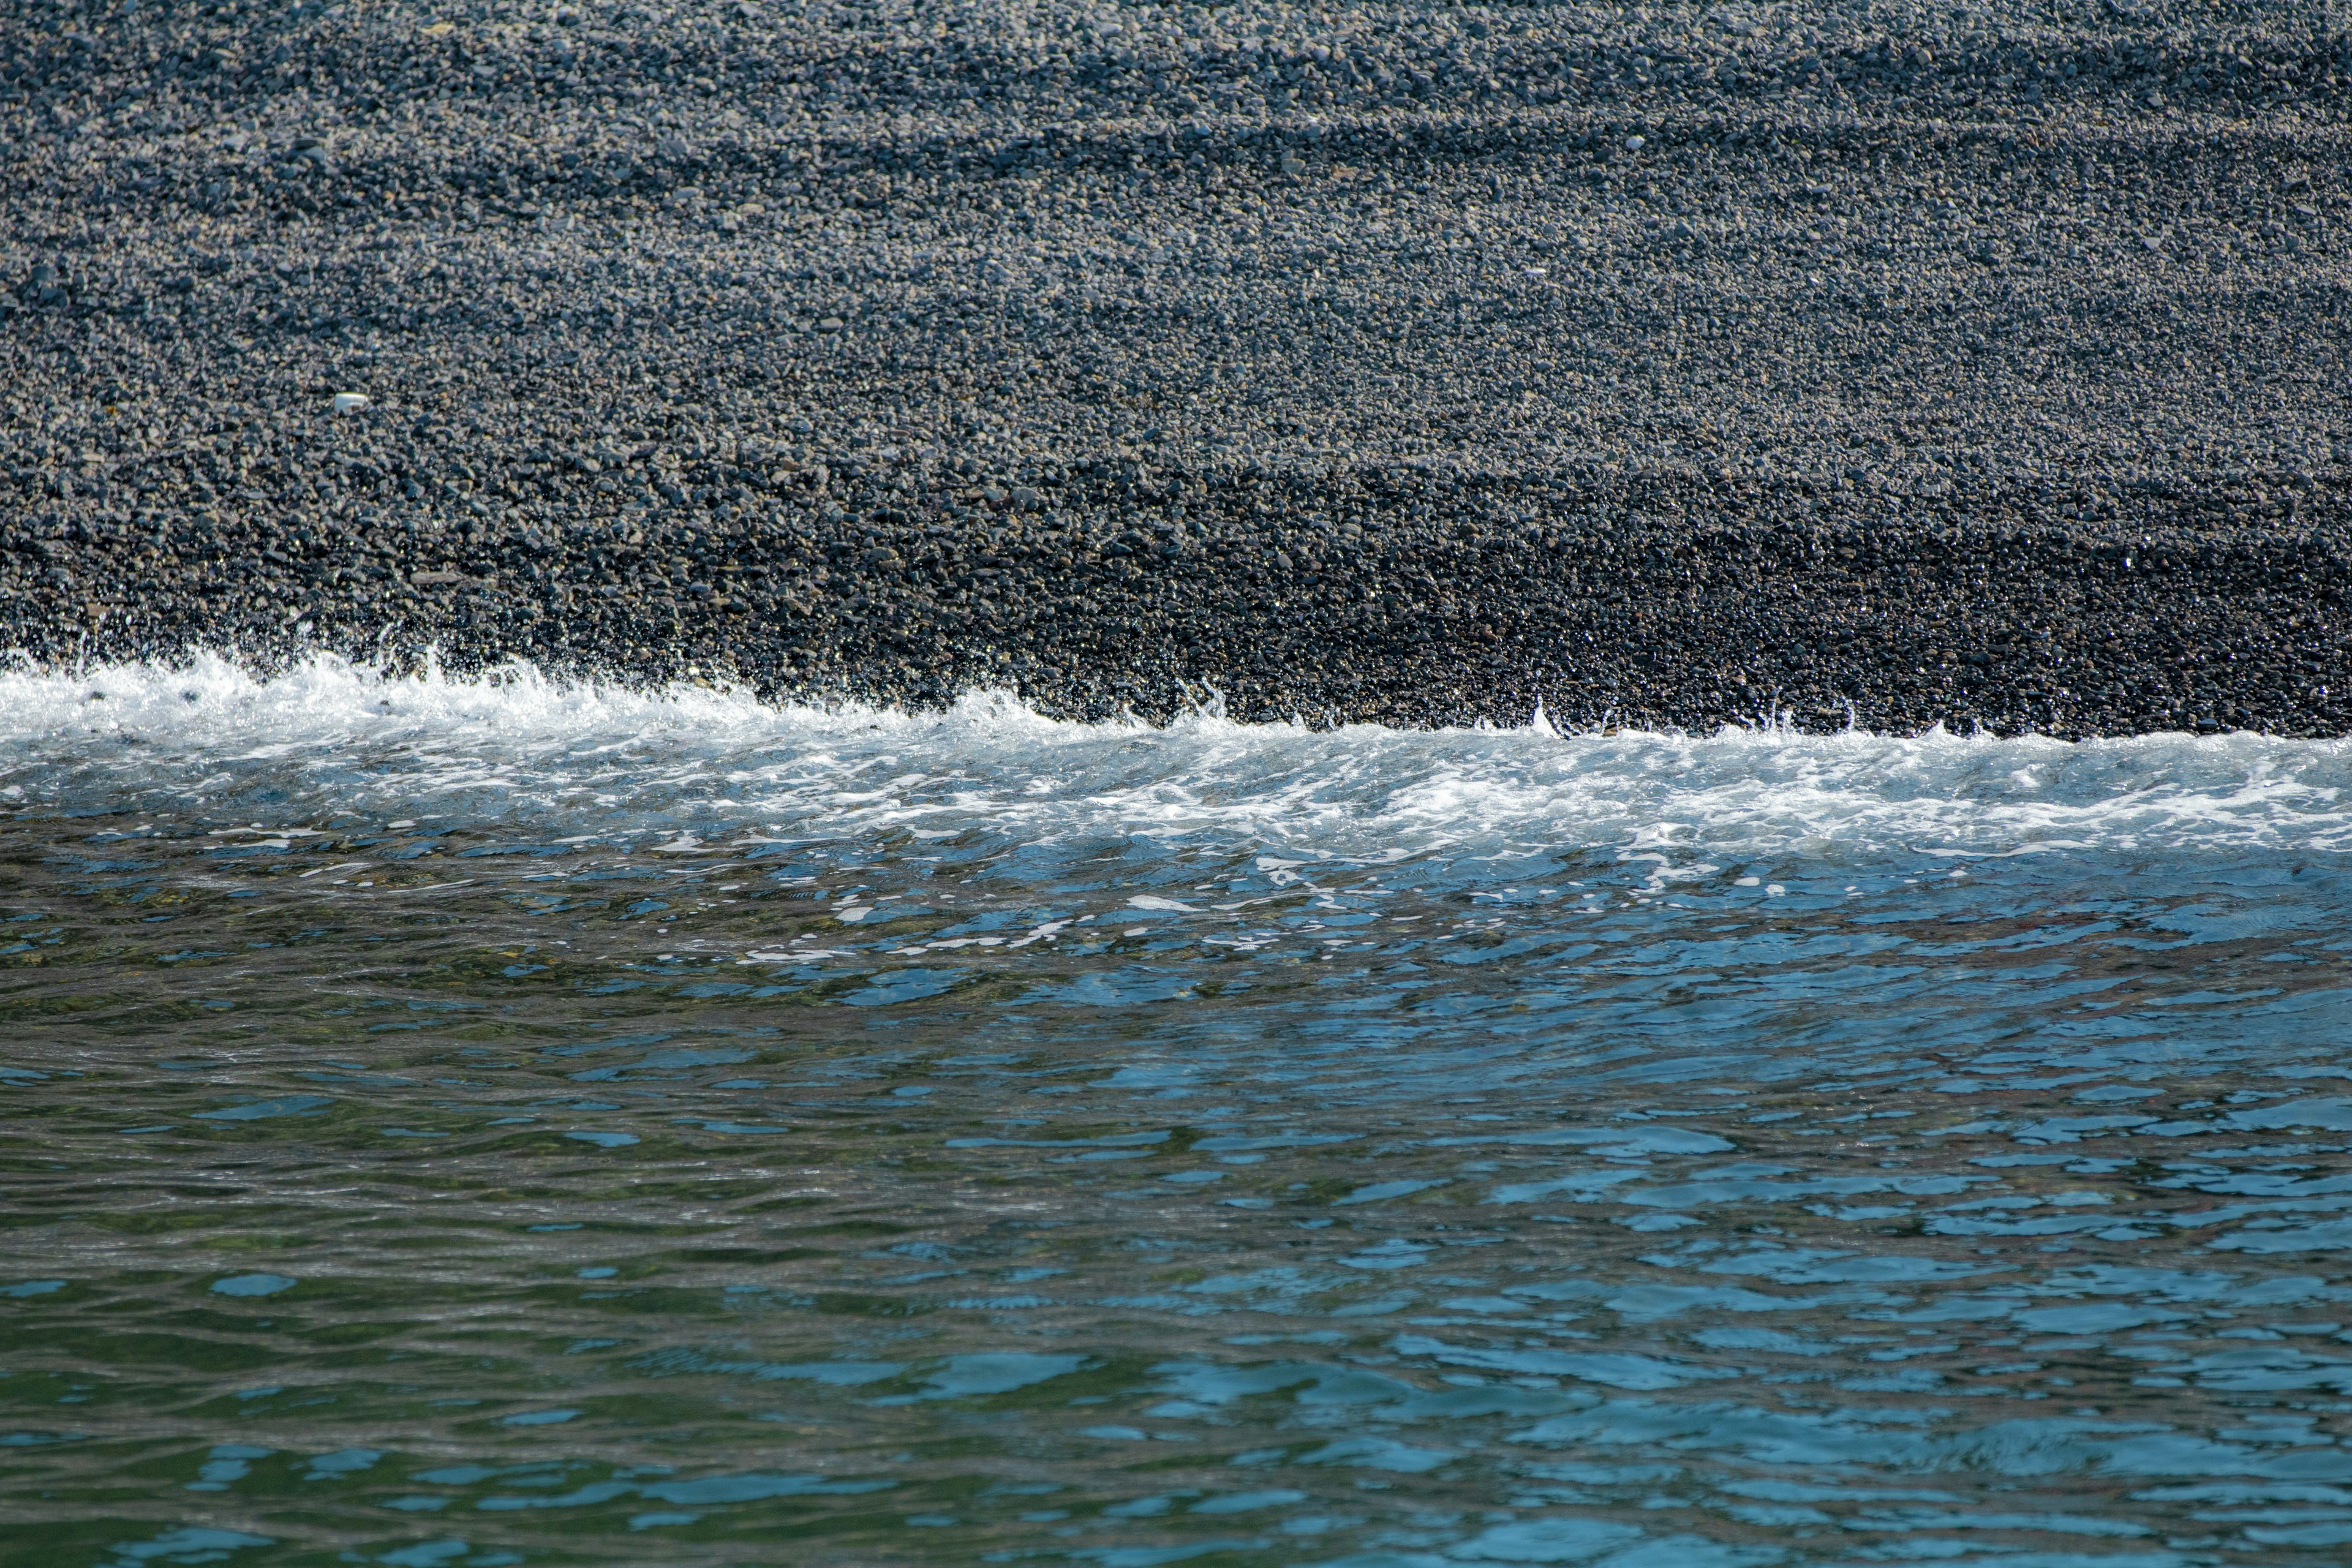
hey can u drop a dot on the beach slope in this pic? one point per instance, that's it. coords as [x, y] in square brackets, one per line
[1665, 366]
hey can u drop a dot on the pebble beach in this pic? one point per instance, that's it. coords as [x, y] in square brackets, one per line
[1667, 366]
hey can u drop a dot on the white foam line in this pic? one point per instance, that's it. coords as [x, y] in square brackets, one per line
[704, 770]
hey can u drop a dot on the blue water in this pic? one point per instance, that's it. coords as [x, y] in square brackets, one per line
[475, 1122]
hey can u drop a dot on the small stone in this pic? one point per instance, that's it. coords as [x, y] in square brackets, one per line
[350, 402]
[1635, 143]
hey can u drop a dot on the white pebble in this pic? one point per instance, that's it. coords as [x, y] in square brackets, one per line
[349, 402]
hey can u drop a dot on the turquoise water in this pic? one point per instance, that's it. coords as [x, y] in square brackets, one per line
[471, 1122]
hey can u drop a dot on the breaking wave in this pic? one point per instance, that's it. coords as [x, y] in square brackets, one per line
[514, 746]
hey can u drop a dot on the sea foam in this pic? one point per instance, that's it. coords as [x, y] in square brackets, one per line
[210, 737]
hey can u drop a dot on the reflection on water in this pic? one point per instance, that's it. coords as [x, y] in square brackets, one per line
[471, 1123]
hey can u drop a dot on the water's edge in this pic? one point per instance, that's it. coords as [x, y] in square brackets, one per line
[1656, 624]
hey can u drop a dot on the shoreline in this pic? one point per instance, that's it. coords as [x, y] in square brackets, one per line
[1893, 625]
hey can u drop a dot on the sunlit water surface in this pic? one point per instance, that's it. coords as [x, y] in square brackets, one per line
[460, 1123]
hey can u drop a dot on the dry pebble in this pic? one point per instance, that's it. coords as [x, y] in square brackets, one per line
[1979, 366]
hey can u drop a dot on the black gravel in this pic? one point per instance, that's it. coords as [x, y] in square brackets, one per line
[1981, 366]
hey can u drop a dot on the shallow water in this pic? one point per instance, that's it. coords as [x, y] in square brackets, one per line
[484, 1123]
